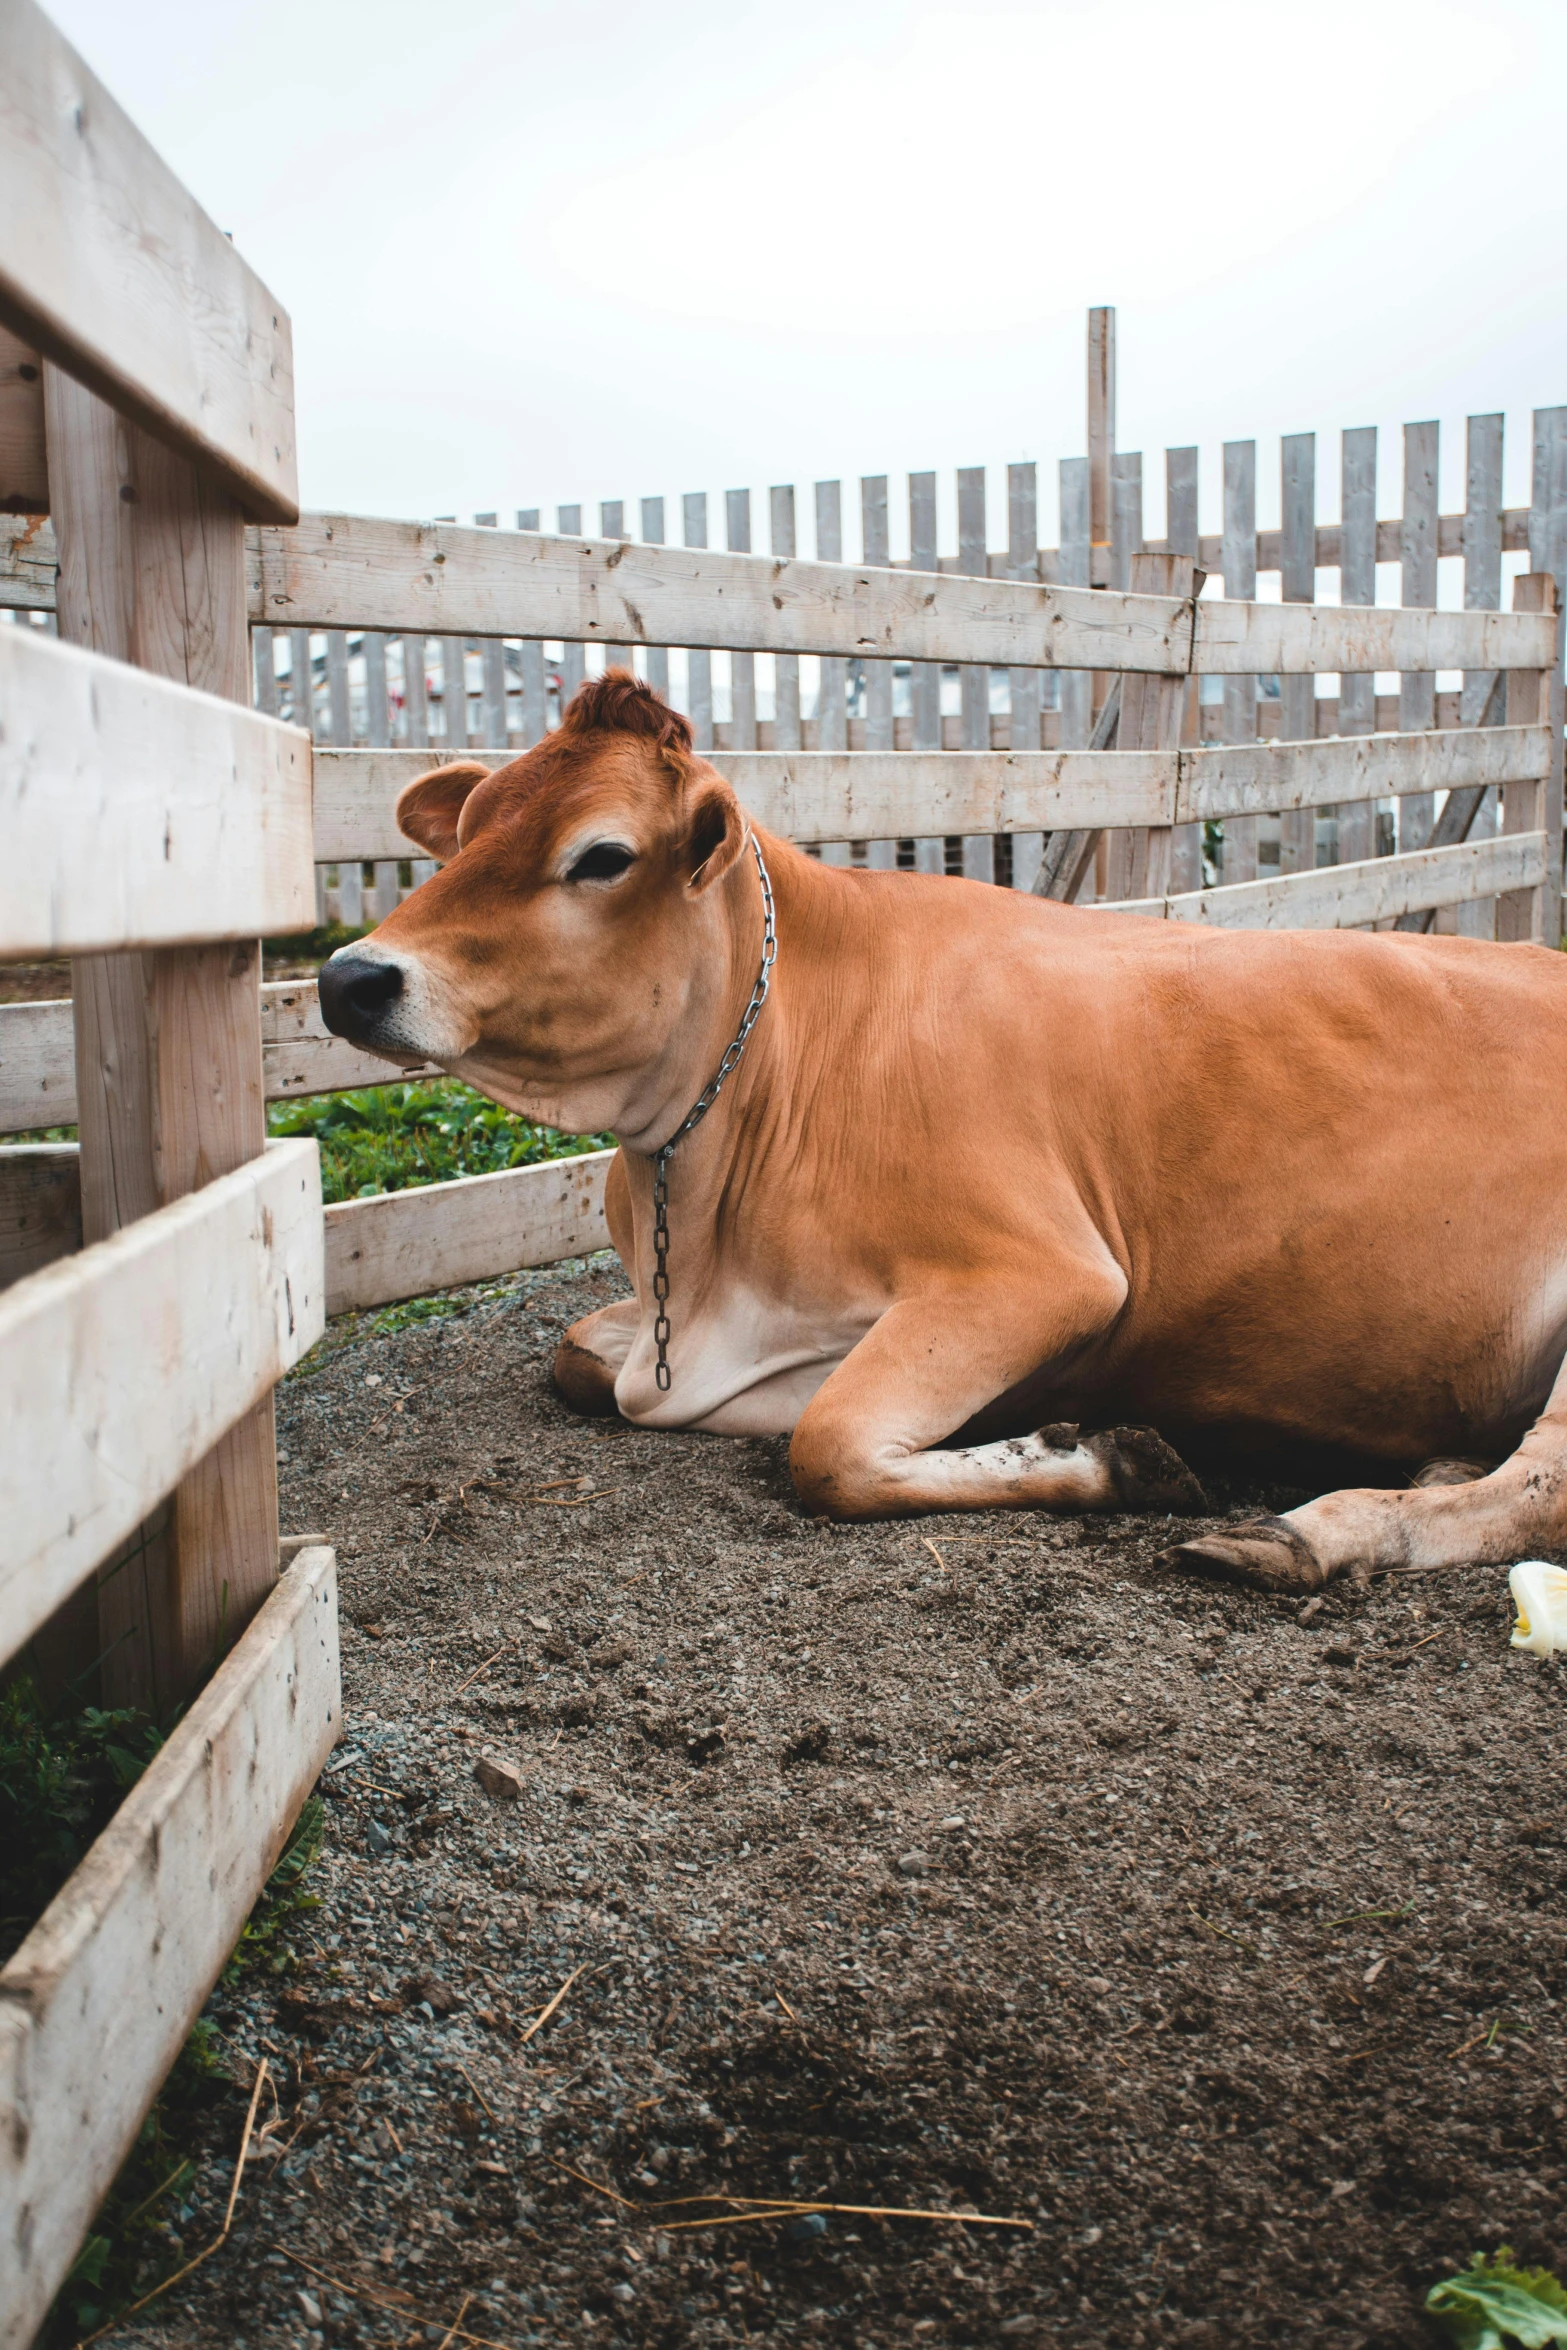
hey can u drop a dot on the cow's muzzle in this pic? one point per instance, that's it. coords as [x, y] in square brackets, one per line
[357, 995]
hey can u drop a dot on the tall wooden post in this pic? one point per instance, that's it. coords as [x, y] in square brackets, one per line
[1534, 699]
[168, 1045]
[1101, 442]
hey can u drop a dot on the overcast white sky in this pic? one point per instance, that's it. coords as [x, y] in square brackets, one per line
[537, 254]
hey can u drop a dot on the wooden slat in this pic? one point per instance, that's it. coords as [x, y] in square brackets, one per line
[40, 1207]
[194, 813]
[1482, 554]
[408, 1243]
[979, 856]
[1101, 439]
[121, 1367]
[699, 660]
[1417, 688]
[786, 666]
[1524, 913]
[742, 666]
[110, 268]
[812, 796]
[1181, 538]
[1298, 585]
[27, 560]
[1240, 588]
[96, 2004]
[1358, 590]
[573, 667]
[1025, 687]
[925, 676]
[1548, 554]
[352, 571]
[656, 656]
[37, 1067]
[1348, 897]
[24, 460]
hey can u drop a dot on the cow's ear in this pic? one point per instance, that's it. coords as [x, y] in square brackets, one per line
[429, 807]
[715, 834]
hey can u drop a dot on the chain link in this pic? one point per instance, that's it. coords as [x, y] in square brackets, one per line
[695, 1116]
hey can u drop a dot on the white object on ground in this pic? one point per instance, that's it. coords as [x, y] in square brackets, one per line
[1540, 1595]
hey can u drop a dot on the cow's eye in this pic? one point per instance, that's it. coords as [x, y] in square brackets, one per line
[605, 861]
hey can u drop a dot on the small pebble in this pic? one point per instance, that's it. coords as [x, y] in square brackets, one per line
[309, 2308]
[912, 1864]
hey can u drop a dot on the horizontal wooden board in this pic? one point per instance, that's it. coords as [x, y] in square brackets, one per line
[299, 1054]
[96, 2004]
[136, 812]
[408, 1243]
[816, 796]
[1224, 779]
[40, 1207]
[1237, 640]
[121, 1366]
[1349, 897]
[352, 571]
[299, 1057]
[109, 267]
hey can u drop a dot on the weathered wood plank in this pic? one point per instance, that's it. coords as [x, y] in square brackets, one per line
[1417, 687]
[1548, 554]
[742, 666]
[110, 268]
[196, 812]
[1358, 589]
[925, 676]
[24, 459]
[121, 1367]
[40, 1207]
[1025, 687]
[1101, 440]
[655, 656]
[812, 796]
[699, 660]
[299, 1057]
[353, 571]
[96, 2004]
[408, 1243]
[1298, 585]
[979, 855]
[1240, 588]
[1348, 897]
[786, 666]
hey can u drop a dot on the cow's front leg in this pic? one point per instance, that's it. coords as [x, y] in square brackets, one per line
[869, 1443]
[589, 1356]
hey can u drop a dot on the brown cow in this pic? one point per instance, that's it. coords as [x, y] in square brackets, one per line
[990, 1168]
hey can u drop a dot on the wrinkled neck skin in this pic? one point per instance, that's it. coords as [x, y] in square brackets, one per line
[692, 1012]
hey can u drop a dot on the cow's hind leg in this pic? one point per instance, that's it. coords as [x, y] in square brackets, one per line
[1445, 1519]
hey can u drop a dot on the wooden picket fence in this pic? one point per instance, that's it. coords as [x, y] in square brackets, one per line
[146, 397]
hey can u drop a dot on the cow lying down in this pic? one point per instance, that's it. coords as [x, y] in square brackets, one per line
[991, 1171]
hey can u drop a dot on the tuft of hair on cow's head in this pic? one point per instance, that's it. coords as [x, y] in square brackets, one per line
[621, 703]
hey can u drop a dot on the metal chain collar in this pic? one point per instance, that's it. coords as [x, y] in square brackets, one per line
[694, 1117]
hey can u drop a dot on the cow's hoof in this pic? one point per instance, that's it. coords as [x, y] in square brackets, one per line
[1452, 1473]
[584, 1382]
[1266, 1553]
[1146, 1473]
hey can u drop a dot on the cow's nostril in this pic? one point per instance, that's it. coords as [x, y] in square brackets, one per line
[355, 990]
[369, 990]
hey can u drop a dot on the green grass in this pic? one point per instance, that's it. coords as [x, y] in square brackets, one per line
[391, 1137]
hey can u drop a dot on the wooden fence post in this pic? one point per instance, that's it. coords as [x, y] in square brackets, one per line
[1548, 553]
[1532, 695]
[1298, 585]
[168, 1045]
[1153, 711]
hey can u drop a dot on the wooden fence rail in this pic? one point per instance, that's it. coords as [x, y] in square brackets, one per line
[153, 832]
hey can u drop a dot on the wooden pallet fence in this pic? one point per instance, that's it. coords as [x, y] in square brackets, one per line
[136, 1369]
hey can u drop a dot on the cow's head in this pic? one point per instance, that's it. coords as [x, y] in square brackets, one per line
[578, 951]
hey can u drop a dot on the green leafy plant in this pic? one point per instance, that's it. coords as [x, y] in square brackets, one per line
[63, 1771]
[390, 1137]
[263, 1946]
[1495, 2302]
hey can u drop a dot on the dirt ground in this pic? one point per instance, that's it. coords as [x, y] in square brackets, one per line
[955, 1865]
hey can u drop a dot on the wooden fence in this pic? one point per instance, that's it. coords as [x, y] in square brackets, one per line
[158, 1278]
[146, 397]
